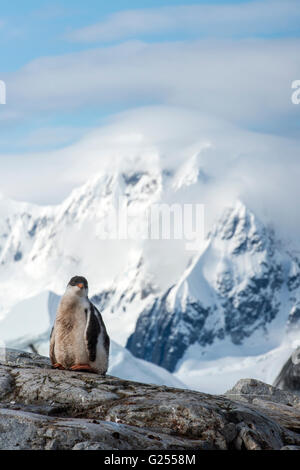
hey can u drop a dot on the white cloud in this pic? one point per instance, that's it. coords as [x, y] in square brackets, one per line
[201, 87]
[248, 82]
[261, 169]
[253, 17]
[47, 137]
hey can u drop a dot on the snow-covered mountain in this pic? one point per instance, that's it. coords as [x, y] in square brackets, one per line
[237, 296]
[41, 247]
[243, 288]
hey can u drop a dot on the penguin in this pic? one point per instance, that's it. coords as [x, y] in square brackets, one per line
[79, 340]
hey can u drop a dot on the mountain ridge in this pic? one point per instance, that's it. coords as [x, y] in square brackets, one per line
[241, 285]
[243, 281]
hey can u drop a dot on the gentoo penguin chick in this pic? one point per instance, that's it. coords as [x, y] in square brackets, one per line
[79, 340]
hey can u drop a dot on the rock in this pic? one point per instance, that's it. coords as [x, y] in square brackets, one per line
[6, 383]
[276, 403]
[14, 358]
[249, 390]
[290, 448]
[42, 408]
[21, 430]
[289, 376]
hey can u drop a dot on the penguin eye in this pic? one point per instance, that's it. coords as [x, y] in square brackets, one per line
[78, 281]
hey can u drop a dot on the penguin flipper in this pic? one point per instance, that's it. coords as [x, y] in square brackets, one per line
[103, 329]
[92, 332]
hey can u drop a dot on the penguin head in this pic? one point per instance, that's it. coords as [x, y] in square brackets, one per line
[78, 285]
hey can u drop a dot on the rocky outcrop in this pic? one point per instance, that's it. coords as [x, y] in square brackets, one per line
[289, 376]
[282, 406]
[42, 408]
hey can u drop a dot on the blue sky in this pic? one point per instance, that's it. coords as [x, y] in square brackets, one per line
[46, 22]
[37, 28]
[72, 67]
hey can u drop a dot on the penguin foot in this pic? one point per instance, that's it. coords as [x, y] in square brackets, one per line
[57, 366]
[83, 368]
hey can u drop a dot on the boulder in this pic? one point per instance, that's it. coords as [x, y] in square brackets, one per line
[43, 408]
[289, 376]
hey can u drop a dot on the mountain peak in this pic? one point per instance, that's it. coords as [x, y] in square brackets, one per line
[236, 289]
[240, 227]
[191, 171]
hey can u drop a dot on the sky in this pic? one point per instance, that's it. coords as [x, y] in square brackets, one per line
[167, 75]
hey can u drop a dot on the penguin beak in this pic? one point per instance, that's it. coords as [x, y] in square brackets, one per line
[80, 285]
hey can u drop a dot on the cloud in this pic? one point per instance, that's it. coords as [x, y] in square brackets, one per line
[43, 137]
[241, 19]
[261, 169]
[247, 82]
[204, 90]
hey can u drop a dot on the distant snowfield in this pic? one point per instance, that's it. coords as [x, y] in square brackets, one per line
[27, 323]
[124, 365]
[216, 376]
